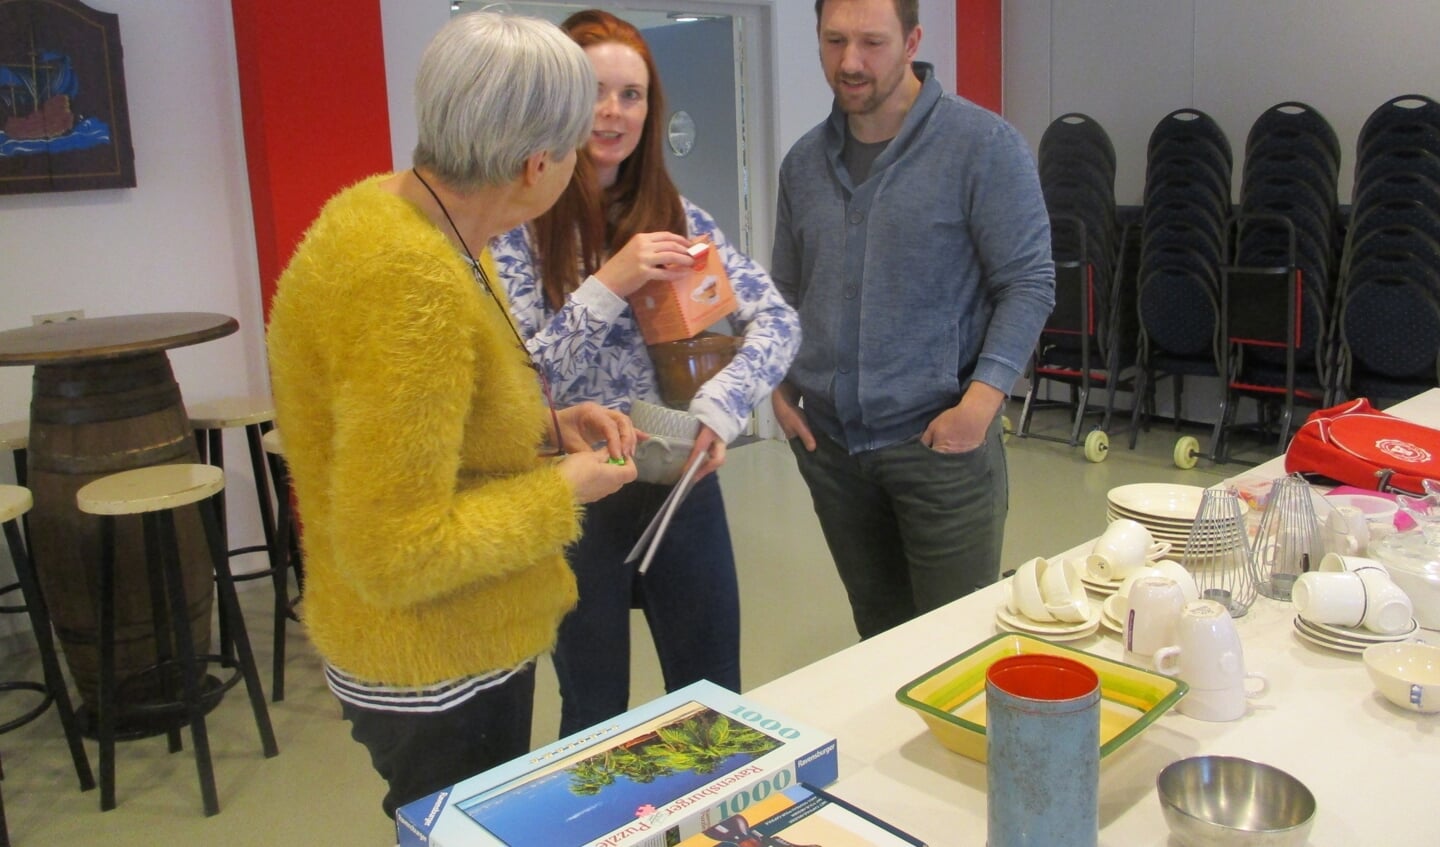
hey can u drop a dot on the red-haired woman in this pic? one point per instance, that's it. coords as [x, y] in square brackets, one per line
[621, 223]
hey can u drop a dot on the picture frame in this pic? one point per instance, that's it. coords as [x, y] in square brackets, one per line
[64, 117]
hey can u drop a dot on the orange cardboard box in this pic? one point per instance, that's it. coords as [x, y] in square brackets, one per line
[671, 311]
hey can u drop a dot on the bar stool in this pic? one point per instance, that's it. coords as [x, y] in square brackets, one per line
[15, 502]
[153, 493]
[15, 437]
[209, 420]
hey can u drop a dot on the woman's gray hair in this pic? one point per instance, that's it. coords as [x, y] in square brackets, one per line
[493, 90]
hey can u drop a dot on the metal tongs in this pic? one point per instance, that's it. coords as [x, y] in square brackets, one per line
[650, 538]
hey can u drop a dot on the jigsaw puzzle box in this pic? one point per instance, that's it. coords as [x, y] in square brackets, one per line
[651, 777]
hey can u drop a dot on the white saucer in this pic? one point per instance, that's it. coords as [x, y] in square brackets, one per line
[1020, 623]
[1051, 636]
[1358, 635]
[1102, 587]
[1304, 633]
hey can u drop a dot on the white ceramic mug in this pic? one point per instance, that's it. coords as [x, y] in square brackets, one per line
[1177, 572]
[1333, 597]
[1388, 609]
[1153, 609]
[1124, 547]
[1347, 532]
[1208, 656]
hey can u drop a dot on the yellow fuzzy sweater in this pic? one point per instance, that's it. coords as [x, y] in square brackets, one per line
[433, 536]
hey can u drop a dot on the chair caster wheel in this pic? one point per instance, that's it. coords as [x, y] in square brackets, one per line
[1097, 446]
[1187, 452]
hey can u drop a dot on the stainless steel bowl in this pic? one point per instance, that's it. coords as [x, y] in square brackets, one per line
[1223, 800]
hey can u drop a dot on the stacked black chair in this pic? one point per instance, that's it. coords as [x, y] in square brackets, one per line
[1086, 342]
[1389, 282]
[1183, 249]
[1278, 290]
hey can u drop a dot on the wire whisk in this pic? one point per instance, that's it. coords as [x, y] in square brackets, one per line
[1217, 555]
[1289, 542]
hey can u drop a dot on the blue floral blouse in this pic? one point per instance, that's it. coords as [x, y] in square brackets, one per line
[591, 348]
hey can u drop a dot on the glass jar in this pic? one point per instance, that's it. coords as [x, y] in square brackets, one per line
[1414, 565]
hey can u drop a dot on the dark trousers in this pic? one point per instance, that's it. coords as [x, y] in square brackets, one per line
[689, 596]
[420, 753]
[910, 529]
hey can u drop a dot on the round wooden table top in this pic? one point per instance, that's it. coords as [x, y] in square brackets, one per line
[111, 337]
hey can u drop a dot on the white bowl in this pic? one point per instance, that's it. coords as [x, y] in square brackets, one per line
[1376, 509]
[1407, 673]
[661, 460]
[1025, 588]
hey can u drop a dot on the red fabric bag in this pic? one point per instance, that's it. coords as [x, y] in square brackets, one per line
[1357, 444]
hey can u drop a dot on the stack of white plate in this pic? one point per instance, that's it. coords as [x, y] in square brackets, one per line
[1166, 509]
[1345, 639]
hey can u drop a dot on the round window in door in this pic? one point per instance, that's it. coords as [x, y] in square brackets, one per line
[682, 133]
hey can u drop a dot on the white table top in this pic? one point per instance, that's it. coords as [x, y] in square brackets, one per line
[1374, 768]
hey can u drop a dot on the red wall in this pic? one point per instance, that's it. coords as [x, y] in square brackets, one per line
[978, 52]
[316, 118]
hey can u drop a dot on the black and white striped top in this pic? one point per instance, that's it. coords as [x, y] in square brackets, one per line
[436, 697]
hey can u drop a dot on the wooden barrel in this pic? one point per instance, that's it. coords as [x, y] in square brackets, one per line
[88, 420]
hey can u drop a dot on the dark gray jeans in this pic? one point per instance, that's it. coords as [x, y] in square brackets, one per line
[910, 529]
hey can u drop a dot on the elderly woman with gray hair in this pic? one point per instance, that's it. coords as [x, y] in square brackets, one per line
[435, 529]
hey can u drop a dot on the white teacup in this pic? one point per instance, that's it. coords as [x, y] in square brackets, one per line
[1338, 563]
[1152, 611]
[1388, 609]
[1063, 592]
[1025, 591]
[1123, 548]
[1207, 655]
[1332, 597]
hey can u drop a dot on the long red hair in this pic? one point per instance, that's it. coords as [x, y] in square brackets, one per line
[643, 198]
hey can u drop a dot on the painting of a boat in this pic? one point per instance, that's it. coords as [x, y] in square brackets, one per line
[64, 121]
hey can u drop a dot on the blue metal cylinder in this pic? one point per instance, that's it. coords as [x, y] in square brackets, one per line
[1042, 737]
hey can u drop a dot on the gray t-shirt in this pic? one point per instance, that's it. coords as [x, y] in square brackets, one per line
[858, 155]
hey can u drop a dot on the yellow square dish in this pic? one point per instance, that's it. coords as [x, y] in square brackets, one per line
[951, 697]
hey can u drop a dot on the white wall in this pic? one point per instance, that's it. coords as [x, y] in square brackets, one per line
[182, 240]
[1128, 63]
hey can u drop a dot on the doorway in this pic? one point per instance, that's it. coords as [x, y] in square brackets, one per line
[711, 57]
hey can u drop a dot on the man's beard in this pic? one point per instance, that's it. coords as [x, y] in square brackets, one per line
[857, 102]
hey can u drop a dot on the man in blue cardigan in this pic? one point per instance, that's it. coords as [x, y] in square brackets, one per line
[912, 237]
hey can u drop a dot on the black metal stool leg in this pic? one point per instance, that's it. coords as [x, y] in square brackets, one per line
[275, 557]
[160, 625]
[4, 827]
[49, 663]
[230, 606]
[192, 674]
[214, 454]
[106, 696]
